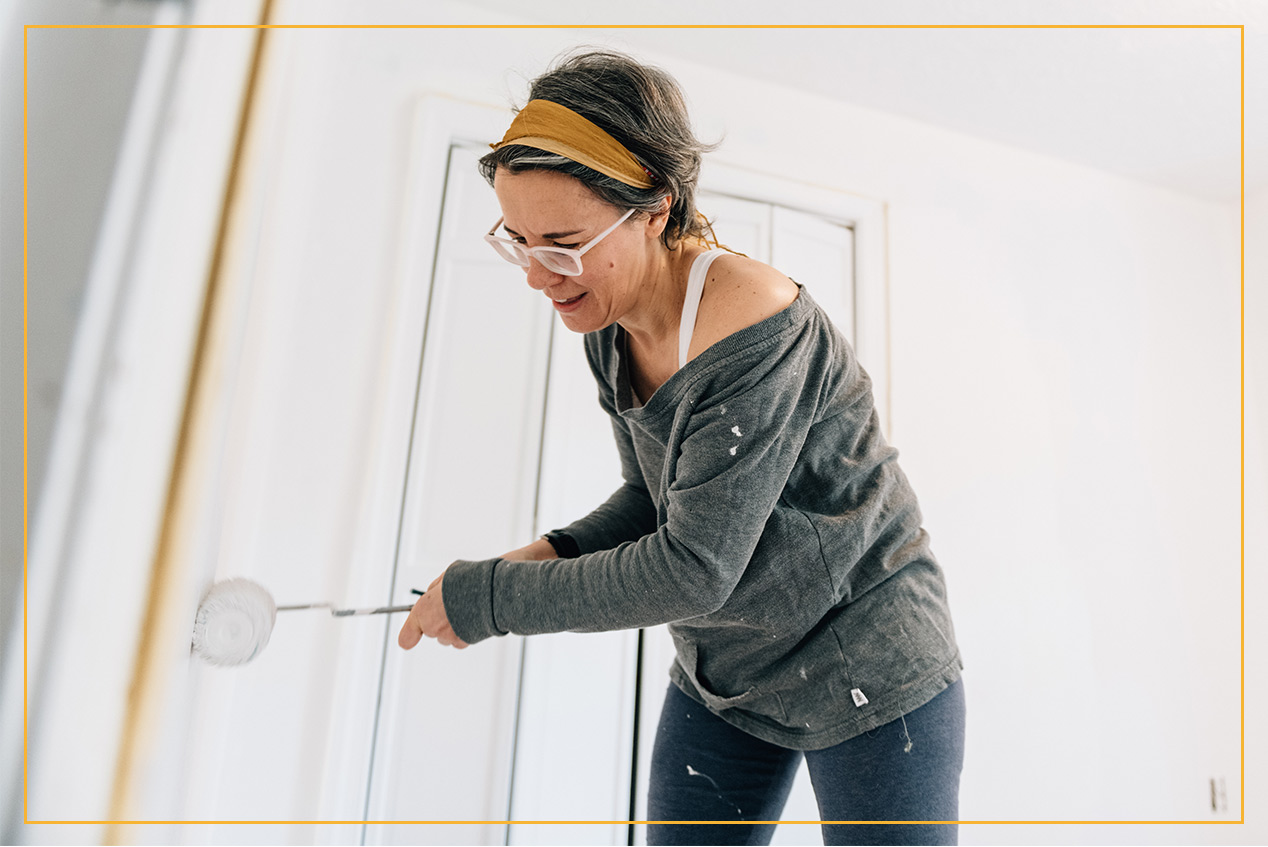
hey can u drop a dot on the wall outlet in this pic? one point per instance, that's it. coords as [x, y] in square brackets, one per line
[1219, 796]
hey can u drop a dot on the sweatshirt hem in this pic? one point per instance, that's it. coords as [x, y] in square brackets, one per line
[908, 698]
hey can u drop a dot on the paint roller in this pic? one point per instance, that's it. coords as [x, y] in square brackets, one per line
[236, 616]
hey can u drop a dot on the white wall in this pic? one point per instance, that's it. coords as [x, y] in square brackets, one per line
[1256, 503]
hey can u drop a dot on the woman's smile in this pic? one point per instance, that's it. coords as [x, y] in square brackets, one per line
[570, 304]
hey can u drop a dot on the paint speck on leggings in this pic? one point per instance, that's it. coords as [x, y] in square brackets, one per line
[732, 451]
[693, 772]
[803, 676]
[736, 431]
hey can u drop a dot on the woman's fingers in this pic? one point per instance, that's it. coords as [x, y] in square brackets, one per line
[450, 639]
[412, 629]
[428, 618]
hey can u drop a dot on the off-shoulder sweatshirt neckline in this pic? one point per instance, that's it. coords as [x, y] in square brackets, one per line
[748, 340]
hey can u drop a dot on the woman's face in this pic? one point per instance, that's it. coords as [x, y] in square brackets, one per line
[547, 208]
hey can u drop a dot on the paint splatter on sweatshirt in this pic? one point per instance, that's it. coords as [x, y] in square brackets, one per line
[764, 517]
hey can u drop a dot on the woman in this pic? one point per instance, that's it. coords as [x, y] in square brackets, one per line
[763, 516]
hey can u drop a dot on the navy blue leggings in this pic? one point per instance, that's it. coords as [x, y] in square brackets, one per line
[704, 769]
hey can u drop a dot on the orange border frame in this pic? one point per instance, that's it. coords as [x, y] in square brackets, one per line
[26, 29]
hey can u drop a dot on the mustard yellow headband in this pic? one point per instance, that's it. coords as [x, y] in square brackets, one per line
[549, 126]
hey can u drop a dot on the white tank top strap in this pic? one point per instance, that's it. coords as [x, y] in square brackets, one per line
[691, 305]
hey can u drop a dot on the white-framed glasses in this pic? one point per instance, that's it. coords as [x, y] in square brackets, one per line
[561, 260]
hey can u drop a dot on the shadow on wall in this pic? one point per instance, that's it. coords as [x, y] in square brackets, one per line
[80, 89]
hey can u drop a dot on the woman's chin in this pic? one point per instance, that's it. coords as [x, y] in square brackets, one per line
[579, 323]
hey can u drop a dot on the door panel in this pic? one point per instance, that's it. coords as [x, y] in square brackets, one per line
[819, 254]
[742, 225]
[573, 750]
[446, 725]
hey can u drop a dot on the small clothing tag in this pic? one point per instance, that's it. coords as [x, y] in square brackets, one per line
[860, 699]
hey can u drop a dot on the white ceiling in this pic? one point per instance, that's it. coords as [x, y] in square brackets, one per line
[1159, 105]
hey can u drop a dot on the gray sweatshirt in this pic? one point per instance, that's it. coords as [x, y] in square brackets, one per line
[766, 520]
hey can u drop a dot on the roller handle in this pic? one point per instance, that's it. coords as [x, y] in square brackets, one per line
[343, 613]
[378, 610]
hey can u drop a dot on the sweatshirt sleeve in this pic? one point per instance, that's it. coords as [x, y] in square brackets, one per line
[733, 445]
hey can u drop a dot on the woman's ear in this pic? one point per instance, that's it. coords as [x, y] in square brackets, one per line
[658, 220]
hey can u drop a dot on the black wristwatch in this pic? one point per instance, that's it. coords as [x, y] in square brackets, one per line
[565, 545]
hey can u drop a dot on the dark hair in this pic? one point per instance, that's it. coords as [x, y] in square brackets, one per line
[642, 108]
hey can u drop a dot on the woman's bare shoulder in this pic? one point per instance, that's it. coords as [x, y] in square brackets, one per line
[739, 293]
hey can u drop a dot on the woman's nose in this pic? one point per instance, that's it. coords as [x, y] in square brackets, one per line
[539, 277]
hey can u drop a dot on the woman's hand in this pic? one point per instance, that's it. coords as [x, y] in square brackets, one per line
[428, 618]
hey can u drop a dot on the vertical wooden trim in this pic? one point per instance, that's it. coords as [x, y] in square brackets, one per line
[145, 691]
